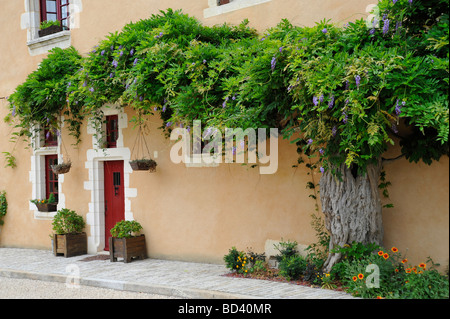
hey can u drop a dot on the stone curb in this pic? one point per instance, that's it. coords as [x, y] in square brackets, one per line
[182, 293]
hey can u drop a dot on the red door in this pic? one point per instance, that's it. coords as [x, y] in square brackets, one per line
[114, 196]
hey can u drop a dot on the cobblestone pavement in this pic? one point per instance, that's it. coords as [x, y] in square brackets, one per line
[151, 276]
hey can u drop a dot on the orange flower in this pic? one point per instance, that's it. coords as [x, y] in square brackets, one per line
[404, 261]
[360, 276]
[408, 270]
[394, 249]
[396, 270]
[422, 265]
[380, 253]
[379, 297]
[354, 278]
[386, 256]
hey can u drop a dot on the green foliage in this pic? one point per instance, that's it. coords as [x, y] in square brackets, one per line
[50, 200]
[48, 23]
[287, 249]
[41, 99]
[428, 284]
[126, 229]
[292, 267]
[67, 221]
[236, 261]
[3, 206]
[347, 90]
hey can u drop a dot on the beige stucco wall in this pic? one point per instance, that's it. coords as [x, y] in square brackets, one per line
[199, 213]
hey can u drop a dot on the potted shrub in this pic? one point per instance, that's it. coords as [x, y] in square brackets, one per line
[69, 239]
[49, 27]
[126, 242]
[143, 165]
[46, 205]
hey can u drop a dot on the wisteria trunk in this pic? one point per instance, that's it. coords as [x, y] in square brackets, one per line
[352, 209]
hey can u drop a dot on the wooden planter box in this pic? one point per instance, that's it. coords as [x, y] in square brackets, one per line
[70, 245]
[46, 207]
[50, 30]
[127, 248]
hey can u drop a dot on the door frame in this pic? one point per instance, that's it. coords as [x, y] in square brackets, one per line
[95, 218]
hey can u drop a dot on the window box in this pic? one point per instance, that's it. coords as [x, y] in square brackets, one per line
[46, 207]
[50, 30]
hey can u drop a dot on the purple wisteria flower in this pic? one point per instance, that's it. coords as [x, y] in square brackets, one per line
[394, 1]
[273, 63]
[334, 131]
[121, 53]
[345, 119]
[324, 30]
[91, 89]
[331, 103]
[410, 1]
[135, 61]
[385, 26]
[315, 101]
[398, 108]
[131, 52]
[204, 61]
[357, 80]
[111, 75]
[280, 49]
[168, 124]
[321, 151]
[103, 52]
[13, 113]
[321, 98]
[85, 84]
[115, 63]
[310, 141]
[322, 170]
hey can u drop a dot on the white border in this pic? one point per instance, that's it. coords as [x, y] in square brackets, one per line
[96, 157]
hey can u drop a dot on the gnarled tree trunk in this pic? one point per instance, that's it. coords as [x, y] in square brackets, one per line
[352, 208]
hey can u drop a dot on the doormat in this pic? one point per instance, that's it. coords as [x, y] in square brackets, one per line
[96, 257]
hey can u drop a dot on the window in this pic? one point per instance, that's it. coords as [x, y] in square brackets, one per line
[50, 139]
[217, 7]
[55, 10]
[112, 131]
[51, 179]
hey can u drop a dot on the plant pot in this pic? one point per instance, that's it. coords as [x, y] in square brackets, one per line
[46, 207]
[143, 165]
[61, 168]
[69, 245]
[127, 248]
[50, 30]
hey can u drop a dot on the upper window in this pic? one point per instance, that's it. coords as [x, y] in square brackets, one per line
[51, 179]
[112, 131]
[55, 10]
[217, 7]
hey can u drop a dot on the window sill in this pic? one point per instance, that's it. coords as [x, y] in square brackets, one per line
[215, 10]
[43, 215]
[43, 44]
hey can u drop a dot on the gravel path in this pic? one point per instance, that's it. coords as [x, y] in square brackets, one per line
[13, 288]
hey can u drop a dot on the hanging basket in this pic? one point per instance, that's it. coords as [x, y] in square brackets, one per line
[61, 168]
[143, 165]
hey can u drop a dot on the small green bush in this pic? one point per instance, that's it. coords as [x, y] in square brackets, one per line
[126, 229]
[3, 206]
[292, 267]
[67, 221]
[287, 249]
[236, 260]
[47, 24]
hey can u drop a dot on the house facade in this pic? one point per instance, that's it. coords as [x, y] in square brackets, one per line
[189, 211]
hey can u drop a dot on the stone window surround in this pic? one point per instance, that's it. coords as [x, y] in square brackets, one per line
[30, 21]
[95, 218]
[214, 9]
[37, 173]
